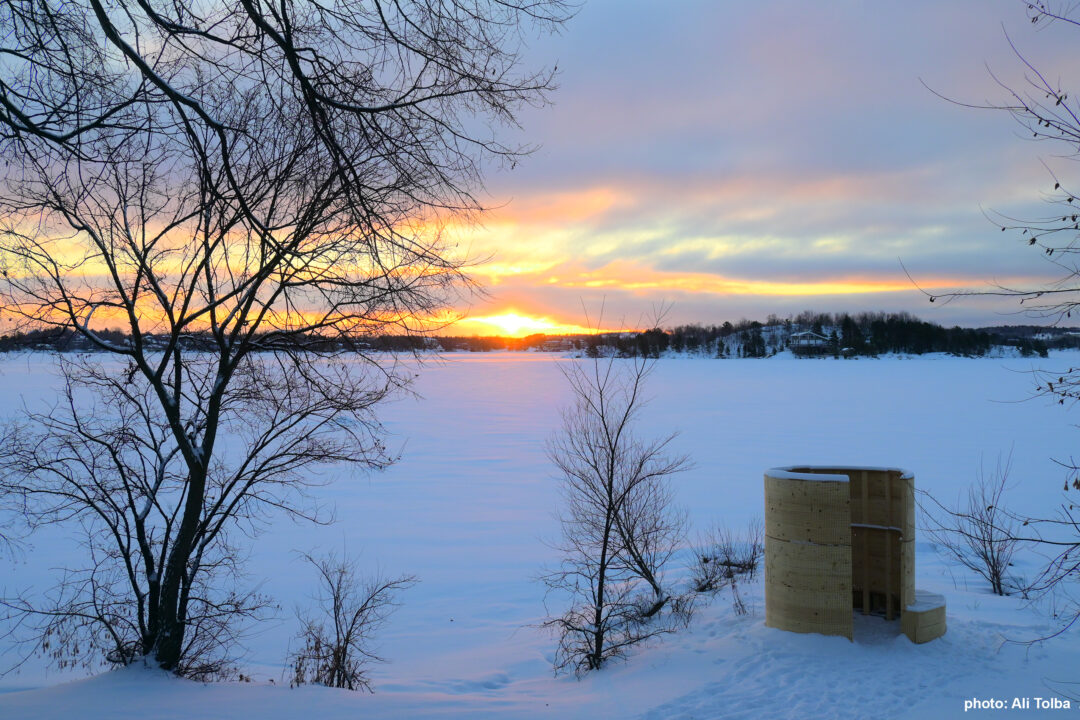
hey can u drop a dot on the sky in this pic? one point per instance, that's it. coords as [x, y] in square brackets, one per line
[732, 160]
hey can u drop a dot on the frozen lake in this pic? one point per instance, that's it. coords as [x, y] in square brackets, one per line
[470, 505]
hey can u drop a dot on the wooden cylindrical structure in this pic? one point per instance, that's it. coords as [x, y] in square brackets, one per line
[837, 537]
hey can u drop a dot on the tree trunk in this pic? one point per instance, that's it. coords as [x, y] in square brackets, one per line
[172, 620]
[598, 616]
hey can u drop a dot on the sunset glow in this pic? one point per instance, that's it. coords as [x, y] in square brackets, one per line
[514, 324]
[725, 208]
[659, 179]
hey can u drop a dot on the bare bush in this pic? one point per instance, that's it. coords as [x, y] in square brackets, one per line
[722, 555]
[980, 534]
[737, 603]
[620, 527]
[337, 642]
[753, 547]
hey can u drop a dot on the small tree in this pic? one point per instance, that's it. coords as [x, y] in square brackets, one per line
[981, 534]
[337, 641]
[618, 522]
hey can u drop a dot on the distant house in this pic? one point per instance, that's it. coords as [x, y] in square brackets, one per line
[557, 345]
[809, 342]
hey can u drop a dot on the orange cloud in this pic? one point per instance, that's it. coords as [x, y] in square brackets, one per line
[639, 276]
[560, 208]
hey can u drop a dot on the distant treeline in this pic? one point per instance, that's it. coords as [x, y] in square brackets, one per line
[864, 334]
[807, 334]
[66, 340]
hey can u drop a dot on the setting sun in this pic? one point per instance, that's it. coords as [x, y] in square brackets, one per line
[513, 324]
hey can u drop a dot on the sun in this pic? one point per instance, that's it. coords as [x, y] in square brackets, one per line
[512, 323]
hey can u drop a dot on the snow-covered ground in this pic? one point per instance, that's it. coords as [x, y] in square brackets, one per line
[470, 506]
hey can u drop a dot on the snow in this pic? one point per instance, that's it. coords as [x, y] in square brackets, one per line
[826, 473]
[926, 601]
[470, 510]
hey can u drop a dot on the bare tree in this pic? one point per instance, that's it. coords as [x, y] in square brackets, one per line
[1049, 113]
[101, 460]
[1047, 110]
[618, 521]
[981, 534]
[337, 641]
[247, 190]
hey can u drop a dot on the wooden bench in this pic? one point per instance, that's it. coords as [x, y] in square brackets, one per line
[924, 619]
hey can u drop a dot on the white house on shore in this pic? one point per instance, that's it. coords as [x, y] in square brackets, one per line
[809, 342]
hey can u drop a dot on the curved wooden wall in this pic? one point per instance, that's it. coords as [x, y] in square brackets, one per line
[837, 538]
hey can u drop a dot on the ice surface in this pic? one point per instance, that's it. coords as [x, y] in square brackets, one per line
[471, 504]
